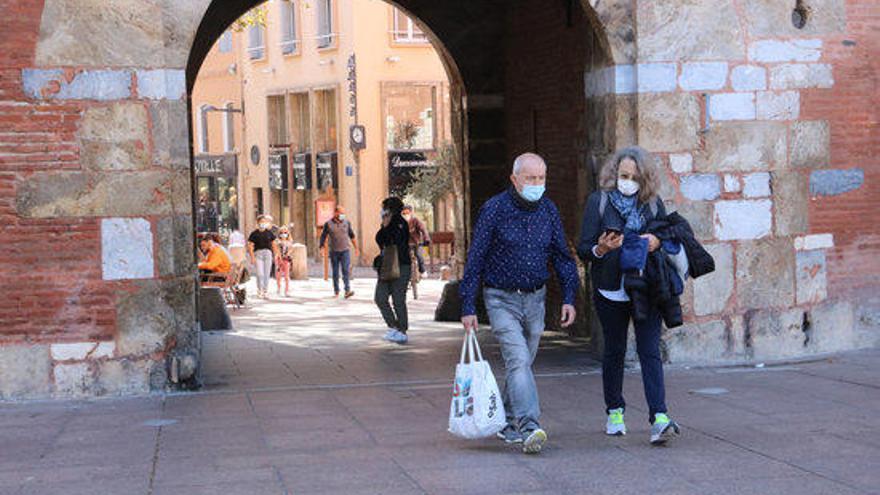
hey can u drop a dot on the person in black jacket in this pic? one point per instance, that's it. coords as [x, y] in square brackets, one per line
[626, 202]
[394, 232]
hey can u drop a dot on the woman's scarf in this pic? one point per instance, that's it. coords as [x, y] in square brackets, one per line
[628, 207]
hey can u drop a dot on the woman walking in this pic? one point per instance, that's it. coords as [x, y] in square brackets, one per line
[284, 254]
[393, 238]
[626, 202]
[262, 250]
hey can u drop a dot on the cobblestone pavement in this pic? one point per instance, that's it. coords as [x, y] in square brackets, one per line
[304, 397]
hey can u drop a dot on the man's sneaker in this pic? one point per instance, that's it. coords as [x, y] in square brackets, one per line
[533, 440]
[510, 435]
[389, 335]
[399, 337]
[349, 293]
[615, 425]
[663, 429]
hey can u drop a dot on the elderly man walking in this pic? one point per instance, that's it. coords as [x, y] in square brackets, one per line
[518, 232]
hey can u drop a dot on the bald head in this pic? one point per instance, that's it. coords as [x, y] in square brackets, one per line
[529, 169]
[529, 161]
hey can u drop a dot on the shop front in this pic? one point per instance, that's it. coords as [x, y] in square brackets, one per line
[217, 193]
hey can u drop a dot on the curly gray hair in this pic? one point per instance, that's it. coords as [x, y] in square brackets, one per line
[648, 179]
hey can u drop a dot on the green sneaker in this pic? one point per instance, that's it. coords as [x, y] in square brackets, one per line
[663, 429]
[615, 425]
[533, 441]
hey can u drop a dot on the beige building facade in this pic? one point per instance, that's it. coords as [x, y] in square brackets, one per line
[305, 74]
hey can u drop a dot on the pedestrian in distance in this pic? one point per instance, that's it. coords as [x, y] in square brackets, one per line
[621, 209]
[341, 238]
[418, 235]
[284, 257]
[393, 240]
[518, 233]
[261, 252]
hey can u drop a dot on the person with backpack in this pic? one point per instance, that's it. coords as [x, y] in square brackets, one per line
[616, 216]
[517, 236]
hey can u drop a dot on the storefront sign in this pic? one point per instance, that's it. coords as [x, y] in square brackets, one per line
[278, 169]
[325, 166]
[216, 165]
[302, 171]
[324, 211]
[401, 167]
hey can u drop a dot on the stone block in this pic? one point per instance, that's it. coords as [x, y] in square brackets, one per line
[785, 105]
[656, 111]
[800, 76]
[114, 137]
[161, 84]
[732, 183]
[700, 187]
[689, 31]
[742, 219]
[73, 380]
[713, 290]
[656, 78]
[765, 273]
[810, 144]
[699, 215]
[175, 246]
[748, 78]
[124, 377]
[772, 18]
[681, 163]
[743, 146]
[697, 76]
[180, 21]
[732, 106]
[78, 351]
[667, 189]
[835, 182]
[25, 371]
[97, 33]
[80, 194]
[775, 51]
[811, 277]
[814, 241]
[832, 327]
[697, 343]
[791, 199]
[126, 248]
[144, 320]
[87, 85]
[775, 334]
[756, 185]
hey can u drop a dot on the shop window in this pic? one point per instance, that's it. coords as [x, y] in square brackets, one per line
[405, 30]
[289, 40]
[225, 43]
[256, 42]
[326, 36]
[409, 117]
[203, 128]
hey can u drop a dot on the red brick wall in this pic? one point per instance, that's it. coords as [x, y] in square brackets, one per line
[51, 269]
[852, 108]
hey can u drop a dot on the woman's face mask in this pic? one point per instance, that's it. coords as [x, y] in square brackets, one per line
[283, 236]
[627, 187]
[264, 226]
[342, 216]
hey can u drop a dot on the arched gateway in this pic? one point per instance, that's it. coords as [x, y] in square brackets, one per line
[760, 126]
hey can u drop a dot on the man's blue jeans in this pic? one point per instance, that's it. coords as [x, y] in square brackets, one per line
[340, 260]
[517, 322]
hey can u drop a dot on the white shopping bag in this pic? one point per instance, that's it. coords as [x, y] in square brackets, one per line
[477, 410]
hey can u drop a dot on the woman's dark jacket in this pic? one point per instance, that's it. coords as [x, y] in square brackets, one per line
[605, 271]
[396, 233]
[675, 228]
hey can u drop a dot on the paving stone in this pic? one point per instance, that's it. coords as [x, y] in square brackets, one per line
[743, 146]
[713, 290]
[765, 273]
[811, 277]
[24, 371]
[672, 31]
[655, 113]
[810, 144]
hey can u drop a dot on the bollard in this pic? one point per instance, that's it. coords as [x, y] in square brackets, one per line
[299, 266]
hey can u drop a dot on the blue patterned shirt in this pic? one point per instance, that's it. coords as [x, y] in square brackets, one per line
[512, 247]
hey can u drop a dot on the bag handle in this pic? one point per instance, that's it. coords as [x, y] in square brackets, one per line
[476, 346]
[464, 346]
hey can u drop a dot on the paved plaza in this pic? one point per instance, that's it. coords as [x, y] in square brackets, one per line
[303, 397]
